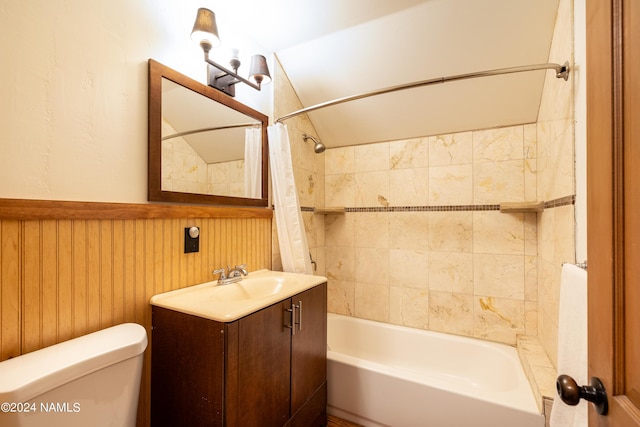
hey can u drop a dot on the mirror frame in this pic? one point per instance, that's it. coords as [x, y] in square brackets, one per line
[157, 72]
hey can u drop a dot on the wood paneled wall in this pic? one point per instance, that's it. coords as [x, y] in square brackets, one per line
[70, 268]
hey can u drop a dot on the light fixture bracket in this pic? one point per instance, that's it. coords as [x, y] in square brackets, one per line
[218, 79]
[224, 79]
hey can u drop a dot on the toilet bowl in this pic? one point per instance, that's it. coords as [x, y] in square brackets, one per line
[92, 380]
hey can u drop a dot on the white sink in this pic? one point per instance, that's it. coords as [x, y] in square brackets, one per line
[226, 303]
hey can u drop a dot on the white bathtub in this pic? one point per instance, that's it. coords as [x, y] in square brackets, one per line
[387, 375]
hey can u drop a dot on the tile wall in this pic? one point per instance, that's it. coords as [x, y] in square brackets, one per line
[423, 243]
[556, 179]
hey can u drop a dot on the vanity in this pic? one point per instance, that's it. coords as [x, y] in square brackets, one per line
[251, 353]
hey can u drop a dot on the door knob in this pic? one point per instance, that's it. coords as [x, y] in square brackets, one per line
[571, 393]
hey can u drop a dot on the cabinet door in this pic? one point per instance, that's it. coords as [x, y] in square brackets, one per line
[309, 345]
[187, 370]
[264, 358]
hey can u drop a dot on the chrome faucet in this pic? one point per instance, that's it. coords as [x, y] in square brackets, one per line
[231, 275]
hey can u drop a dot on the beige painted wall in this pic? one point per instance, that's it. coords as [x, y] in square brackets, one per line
[74, 85]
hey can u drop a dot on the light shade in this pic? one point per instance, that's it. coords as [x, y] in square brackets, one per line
[259, 71]
[205, 29]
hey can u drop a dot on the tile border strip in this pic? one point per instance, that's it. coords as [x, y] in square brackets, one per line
[556, 203]
[562, 201]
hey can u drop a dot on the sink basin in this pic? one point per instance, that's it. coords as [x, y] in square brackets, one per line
[226, 303]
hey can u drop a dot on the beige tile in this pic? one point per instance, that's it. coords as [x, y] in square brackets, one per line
[451, 185]
[340, 190]
[318, 255]
[530, 141]
[371, 230]
[530, 234]
[451, 272]
[341, 297]
[372, 189]
[319, 191]
[451, 231]
[451, 149]
[408, 268]
[409, 154]
[498, 233]
[531, 318]
[494, 145]
[339, 161]
[409, 187]
[372, 302]
[557, 97]
[545, 377]
[409, 230]
[310, 228]
[530, 180]
[548, 333]
[531, 278]
[305, 157]
[306, 186]
[531, 348]
[372, 266]
[339, 230]
[498, 319]
[319, 228]
[564, 236]
[340, 263]
[549, 288]
[556, 160]
[496, 182]
[409, 307]
[546, 235]
[500, 276]
[372, 157]
[451, 313]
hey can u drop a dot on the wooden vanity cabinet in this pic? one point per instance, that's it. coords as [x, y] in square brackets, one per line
[255, 371]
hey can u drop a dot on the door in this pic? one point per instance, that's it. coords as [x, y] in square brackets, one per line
[613, 206]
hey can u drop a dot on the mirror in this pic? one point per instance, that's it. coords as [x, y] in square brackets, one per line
[197, 144]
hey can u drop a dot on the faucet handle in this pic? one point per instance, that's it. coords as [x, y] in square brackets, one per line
[221, 272]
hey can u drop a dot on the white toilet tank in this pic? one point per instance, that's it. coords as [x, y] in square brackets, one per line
[93, 380]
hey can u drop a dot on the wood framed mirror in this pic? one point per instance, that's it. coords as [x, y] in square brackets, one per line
[197, 141]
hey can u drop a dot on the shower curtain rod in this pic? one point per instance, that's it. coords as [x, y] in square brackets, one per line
[562, 72]
[190, 132]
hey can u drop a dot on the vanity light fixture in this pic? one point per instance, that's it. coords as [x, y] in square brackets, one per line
[205, 32]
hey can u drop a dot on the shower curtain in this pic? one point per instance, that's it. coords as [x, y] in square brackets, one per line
[252, 163]
[294, 249]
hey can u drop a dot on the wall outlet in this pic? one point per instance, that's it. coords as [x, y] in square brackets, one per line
[191, 239]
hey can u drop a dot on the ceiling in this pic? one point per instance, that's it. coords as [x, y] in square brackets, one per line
[336, 48]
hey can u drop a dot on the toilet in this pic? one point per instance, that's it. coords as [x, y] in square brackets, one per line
[92, 380]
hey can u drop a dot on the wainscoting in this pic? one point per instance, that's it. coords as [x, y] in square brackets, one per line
[70, 268]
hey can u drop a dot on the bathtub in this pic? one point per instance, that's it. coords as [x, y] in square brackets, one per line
[386, 375]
